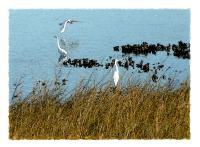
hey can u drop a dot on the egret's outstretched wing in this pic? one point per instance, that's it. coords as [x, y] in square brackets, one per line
[72, 21]
[64, 24]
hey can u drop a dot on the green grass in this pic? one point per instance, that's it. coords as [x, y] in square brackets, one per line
[93, 112]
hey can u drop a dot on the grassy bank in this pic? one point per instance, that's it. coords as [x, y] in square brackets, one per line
[131, 112]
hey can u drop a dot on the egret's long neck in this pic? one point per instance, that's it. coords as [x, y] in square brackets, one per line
[116, 66]
[64, 26]
[58, 43]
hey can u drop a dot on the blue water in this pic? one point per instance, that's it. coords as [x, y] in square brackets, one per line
[33, 49]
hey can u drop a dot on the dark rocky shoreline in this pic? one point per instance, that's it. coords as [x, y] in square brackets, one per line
[180, 50]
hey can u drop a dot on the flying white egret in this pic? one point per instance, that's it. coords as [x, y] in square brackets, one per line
[68, 21]
[116, 73]
[60, 50]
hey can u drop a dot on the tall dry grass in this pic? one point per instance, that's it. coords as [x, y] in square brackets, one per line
[101, 112]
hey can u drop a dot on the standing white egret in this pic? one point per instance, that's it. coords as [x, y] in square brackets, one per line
[68, 21]
[116, 73]
[60, 50]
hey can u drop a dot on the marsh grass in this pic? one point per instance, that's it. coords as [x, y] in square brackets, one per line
[96, 111]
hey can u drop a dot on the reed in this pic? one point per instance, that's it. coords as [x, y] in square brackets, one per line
[94, 111]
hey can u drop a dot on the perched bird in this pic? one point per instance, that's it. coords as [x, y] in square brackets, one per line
[116, 73]
[63, 24]
[62, 52]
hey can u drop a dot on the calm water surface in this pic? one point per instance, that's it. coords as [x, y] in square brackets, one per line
[33, 49]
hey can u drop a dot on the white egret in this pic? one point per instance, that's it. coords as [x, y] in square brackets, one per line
[60, 50]
[116, 73]
[68, 21]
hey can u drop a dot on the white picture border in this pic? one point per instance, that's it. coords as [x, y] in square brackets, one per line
[124, 4]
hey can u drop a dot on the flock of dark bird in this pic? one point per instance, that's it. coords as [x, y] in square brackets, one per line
[180, 50]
